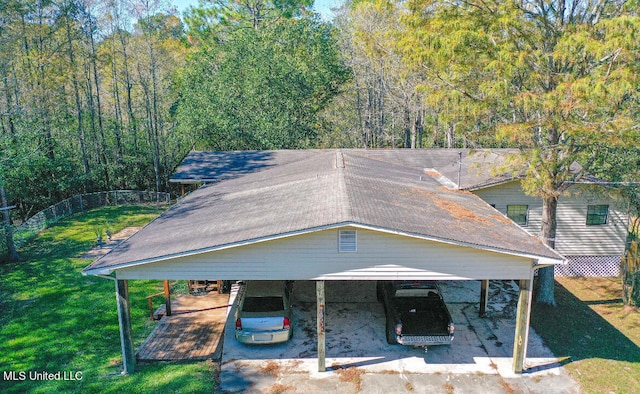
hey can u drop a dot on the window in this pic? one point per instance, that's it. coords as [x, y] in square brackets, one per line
[347, 241]
[597, 214]
[263, 304]
[518, 213]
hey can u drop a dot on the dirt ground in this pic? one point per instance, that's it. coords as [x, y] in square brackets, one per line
[110, 243]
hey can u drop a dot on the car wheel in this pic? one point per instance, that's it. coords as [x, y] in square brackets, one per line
[391, 336]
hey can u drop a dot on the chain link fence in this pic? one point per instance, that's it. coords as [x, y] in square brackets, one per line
[75, 204]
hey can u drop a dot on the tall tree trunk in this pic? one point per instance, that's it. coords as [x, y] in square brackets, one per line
[157, 126]
[451, 137]
[76, 89]
[368, 120]
[97, 132]
[13, 252]
[361, 126]
[422, 114]
[416, 130]
[407, 128]
[380, 108]
[545, 283]
[40, 98]
[9, 106]
[117, 128]
[97, 108]
[152, 138]
[630, 275]
[129, 87]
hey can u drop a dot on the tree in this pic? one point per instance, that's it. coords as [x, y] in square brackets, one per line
[557, 79]
[214, 18]
[13, 252]
[261, 88]
[389, 109]
[86, 98]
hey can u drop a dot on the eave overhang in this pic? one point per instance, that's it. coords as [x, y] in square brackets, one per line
[538, 261]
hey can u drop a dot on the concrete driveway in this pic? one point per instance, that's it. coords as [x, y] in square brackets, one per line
[359, 359]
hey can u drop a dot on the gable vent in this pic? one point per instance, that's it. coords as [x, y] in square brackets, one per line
[347, 241]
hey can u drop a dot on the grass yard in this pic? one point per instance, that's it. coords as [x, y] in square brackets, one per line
[54, 319]
[600, 337]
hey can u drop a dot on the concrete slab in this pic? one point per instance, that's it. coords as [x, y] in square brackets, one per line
[360, 360]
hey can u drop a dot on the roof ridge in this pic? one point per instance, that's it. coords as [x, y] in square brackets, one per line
[346, 213]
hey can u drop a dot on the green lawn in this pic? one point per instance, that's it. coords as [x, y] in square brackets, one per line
[54, 319]
[597, 334]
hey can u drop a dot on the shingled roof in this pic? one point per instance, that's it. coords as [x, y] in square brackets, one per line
[476, 168]
[322, 189]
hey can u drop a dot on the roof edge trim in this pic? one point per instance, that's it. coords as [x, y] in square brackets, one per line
[491, 184]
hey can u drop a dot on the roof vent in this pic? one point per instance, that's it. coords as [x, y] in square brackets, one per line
[443, 180]
[347, 241]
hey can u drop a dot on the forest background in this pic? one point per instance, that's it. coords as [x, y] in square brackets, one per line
[112, 94]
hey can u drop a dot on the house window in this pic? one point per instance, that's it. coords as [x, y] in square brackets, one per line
[347, 241]
[597, 214]
[518, 213]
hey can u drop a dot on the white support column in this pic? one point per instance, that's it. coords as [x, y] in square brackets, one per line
[124, 320]
[320, 301]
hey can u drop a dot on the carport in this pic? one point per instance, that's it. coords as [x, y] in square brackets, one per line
[329, 216]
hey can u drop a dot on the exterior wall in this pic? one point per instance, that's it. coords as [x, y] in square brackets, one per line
[574, 237]
[315, 256]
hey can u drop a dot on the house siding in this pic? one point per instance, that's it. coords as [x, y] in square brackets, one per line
[574, 237]
[315, 256]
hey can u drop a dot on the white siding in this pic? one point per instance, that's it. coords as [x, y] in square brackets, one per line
[511, 194]
[574, 237]
[316, 256]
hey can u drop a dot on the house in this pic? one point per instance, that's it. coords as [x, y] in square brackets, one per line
[592, 221]
[592, 224]
[328, 215]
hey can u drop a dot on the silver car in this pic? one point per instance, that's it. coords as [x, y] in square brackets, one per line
[264, 313]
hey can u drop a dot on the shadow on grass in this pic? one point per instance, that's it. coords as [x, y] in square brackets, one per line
[574, 330]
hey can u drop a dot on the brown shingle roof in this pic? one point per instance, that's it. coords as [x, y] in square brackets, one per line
[319, 189]
[477, 167]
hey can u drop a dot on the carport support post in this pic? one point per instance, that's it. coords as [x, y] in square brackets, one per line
[523, 315]
[167, 297]
[484, 295]
[124, 319]
[320, 301]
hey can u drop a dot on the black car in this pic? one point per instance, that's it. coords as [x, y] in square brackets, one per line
[416, 313]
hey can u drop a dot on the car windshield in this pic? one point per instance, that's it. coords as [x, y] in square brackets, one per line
[263, 304]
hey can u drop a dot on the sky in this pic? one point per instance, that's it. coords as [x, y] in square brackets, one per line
[322, 6]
